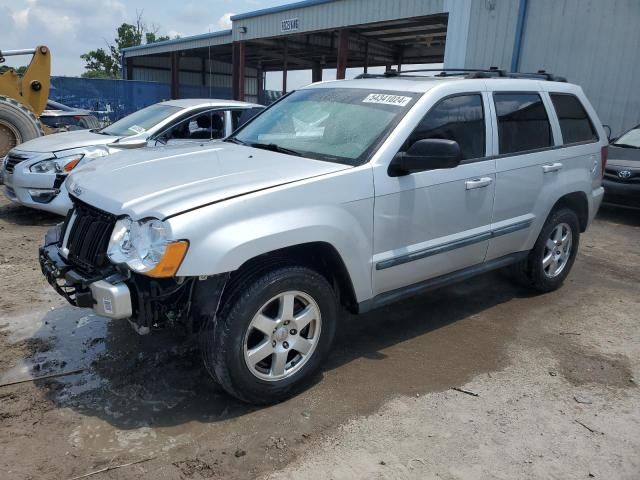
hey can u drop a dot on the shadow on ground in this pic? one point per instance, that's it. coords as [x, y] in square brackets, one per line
[617, 214]
[132, 381]
[19, 215]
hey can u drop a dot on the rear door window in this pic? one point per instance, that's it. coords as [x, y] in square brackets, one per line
[575, 124]
[459, 118]
[523, 124]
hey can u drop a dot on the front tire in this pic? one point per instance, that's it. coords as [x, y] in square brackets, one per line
[553, 254]
[272, 334]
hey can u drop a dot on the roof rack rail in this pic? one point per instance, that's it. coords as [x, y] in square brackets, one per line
[492, 72]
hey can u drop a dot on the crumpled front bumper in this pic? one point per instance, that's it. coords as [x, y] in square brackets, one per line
[107, 294]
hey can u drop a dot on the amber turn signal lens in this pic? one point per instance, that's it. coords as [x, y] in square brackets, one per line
[71, 165]
[170, 261]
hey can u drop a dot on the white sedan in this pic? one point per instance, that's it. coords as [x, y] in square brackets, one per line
[34, 172]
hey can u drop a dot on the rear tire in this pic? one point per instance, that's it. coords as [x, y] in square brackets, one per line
[259, 349]
[18, 124]
[550, 261]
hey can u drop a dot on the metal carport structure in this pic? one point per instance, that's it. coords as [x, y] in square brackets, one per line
[306, 35]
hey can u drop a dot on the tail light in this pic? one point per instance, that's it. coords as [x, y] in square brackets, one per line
[604, 154]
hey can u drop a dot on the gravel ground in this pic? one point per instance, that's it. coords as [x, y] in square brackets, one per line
[556, 379]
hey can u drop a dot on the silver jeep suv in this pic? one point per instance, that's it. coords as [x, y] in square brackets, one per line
[346, 194]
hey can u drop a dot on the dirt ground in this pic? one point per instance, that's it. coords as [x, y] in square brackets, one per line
[551, 383]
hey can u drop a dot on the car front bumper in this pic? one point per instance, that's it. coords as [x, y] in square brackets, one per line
[35, 190]
[108, 295]
[620, 192]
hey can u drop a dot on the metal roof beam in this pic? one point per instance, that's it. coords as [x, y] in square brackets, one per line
[421, 33]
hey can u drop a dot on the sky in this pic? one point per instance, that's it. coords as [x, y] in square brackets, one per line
[73, 27]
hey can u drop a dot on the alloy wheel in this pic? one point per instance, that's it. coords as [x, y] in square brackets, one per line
[557, 250]
[282, 336]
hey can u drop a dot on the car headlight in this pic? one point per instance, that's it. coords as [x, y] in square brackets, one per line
[64, 164]
[57, 165]
[145, 247]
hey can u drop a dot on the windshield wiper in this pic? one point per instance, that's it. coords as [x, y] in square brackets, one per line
[273, 147]
[624, 145]
[235, 140]
[98, 131]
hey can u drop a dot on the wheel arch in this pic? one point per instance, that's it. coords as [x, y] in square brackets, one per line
[576, 201]
[319, 256]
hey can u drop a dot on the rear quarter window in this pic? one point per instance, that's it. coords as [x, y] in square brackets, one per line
[575, 124]
[523, 124]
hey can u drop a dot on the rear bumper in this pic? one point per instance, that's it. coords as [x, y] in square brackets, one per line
[108, 296]
[595, 202]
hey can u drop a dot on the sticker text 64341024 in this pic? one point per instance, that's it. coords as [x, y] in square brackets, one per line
[387, 99]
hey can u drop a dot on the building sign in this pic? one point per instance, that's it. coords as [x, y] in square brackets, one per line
[290, 24]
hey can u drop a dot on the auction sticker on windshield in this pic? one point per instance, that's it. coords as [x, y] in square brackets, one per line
[386, 99]
[137, 129]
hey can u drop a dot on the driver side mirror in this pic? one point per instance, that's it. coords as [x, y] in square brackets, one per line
[426, 154]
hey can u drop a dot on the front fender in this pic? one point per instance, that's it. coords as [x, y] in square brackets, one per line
[224, 236]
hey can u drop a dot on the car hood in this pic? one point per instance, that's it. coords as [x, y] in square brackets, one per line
[624, 157]
[165, 181]
[65, 141]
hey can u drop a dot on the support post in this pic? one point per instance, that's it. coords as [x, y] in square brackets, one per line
[260, 82]
[175, 75]
[238, 54]
[316, 72]
[400, 58]
[129, 72]
[285, 66]
[366, 57]
[343, 54]
[203, 68]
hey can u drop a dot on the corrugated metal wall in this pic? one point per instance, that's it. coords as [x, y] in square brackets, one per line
[217, 75]
[492, 30]
[594, 43]
[336, 14]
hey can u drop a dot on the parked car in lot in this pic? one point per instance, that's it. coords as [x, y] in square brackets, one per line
[350, 194]
[34, 172]
[61, 118]
[622, 175]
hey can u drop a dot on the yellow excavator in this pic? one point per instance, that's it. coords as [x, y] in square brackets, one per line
[23, 98]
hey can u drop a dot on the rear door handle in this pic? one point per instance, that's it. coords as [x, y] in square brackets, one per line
[553, 167]
[478, 183]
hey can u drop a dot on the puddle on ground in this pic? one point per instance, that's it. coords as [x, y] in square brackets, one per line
[59, 340]
[151, 394]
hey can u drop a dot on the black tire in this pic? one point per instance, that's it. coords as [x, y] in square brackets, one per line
[529, 272]
[223, 340]
[18, 124]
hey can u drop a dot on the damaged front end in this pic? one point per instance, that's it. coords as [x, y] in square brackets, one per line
[116, 292]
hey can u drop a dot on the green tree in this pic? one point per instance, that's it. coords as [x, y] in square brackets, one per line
[105, 63]
[19, 70]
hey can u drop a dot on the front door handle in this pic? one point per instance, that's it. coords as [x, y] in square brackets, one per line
[478, 183]
[553, 167]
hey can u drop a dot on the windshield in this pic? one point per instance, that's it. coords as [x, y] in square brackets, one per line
[140, 121]
[334, 124]
[629, 139]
